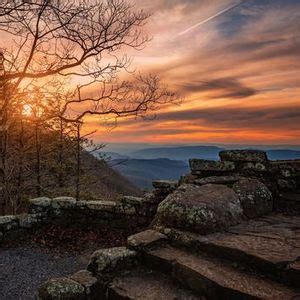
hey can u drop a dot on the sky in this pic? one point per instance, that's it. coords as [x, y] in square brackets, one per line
[235, 63]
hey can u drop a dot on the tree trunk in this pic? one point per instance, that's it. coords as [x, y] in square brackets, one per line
[78, 161]
[20, 168]
[38, 160]
[60, 155]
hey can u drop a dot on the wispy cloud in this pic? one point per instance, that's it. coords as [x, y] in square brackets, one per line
[219, 13]
[240, 72]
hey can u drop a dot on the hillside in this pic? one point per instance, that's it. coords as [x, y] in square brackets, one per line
[105, 182]
[142, 172]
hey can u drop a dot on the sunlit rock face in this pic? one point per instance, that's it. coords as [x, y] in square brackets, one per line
[203, 209]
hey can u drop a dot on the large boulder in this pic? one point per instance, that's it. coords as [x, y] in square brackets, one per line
[202, 209]
[256, 199]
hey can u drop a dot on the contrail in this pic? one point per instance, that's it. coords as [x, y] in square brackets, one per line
[210, 18]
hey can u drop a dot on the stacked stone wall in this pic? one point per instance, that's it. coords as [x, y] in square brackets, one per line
[126, 212]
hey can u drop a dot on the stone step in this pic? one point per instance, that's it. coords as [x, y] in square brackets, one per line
[148, 285]
[269, 245]
[214, 278]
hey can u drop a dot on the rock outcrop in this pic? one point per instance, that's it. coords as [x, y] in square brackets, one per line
[203, 209]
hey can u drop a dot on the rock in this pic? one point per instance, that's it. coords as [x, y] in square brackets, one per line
[111, 260]
[61, 288]
[163, 188]
[151, 198]
[89, 282]
[243, 156]
[29, 220]
[133, 205]
[108, 206]
[287, 171]
[41, 201]
[63, 202]
[217, 180]
[8, 223]
[81, 204]
[201, 209]
[40, 205]
[256, 199]
[258, 167]
[188, 179]
[287, 184]
[165, 184]
[145, 239]
[201, 165]
[131, 200]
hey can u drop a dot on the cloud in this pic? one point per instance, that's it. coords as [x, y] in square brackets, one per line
[245, 62]
[222, 88]
[237, 117]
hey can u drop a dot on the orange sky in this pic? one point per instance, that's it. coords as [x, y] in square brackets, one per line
[239, 73]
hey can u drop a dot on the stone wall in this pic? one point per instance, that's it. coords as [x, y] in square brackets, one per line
[126, 212]
[11, 225]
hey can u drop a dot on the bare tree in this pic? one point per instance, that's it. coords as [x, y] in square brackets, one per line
[81, 41]
[56, 36]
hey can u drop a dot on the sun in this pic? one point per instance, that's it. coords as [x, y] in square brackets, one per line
[27, 110]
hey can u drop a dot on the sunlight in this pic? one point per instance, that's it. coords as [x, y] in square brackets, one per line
[27, 110]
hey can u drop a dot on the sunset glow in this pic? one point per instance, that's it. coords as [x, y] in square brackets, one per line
[27, 110]
[239, 73]
[235, 63]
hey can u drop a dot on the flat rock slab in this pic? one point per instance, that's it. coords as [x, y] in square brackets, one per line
[165, 184]
[274, 239]
[217, 279]
[218, 180]
[201, 165]
[146, 238]
[148, 285]
[243, 156]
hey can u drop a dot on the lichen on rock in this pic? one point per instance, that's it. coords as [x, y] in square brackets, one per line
[201, 209]
[256, 199]
[112, 259]
[61, 288]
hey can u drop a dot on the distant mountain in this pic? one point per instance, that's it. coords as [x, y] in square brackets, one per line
[183, 153]
[141, 172]
[282, 154]
[144, 166]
